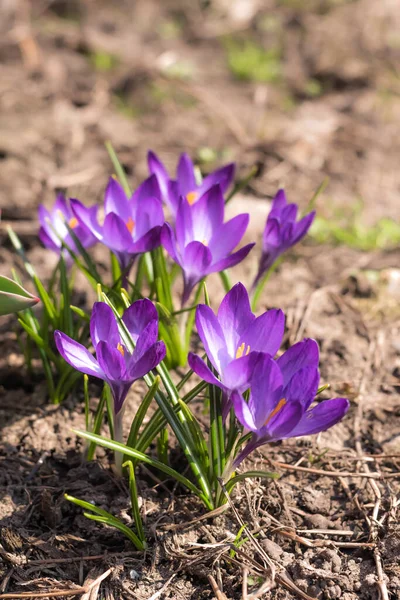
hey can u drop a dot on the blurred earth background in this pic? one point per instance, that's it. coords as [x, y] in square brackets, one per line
[307, 92]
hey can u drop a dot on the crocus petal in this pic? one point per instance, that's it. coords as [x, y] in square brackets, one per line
[172, 199]
[208, 214]
[44, 216]
[77, 355]
[111, 361]
[303, 354]
[278, 203]
[242, 412]
[184, 224]
[157, 168]
[238, 373]
[226, 237]
[185, 175]
[201, 369]
[234, 316]
[289, 213]
[149, 214]
[148, 189]
[230, 261]
[87, 216]
[168, 242]
[195, 264]
[223, 176]
[48, 241]
[265, 333]
[150, 359]
[148, 242]
[322, 417]
[103, 325]
[61, 206]
[266, 390]
[146, 339]
[116, 234]
[138, 316]
[303, 386]
[301, 228]
[115, 200]
[284, 421]
[212, 337]
[271, 235]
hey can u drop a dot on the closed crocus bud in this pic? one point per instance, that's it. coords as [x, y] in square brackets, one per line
[282, 231]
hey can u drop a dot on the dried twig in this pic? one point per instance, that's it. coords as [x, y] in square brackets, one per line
[367, 475]
[57, 593]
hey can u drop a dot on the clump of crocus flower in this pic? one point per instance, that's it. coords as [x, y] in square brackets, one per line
[281, 394]
[281, 232]
[234, 341]
[131, 226]
[201, 242]
[114, 363]
[186, 184]
[54, 231]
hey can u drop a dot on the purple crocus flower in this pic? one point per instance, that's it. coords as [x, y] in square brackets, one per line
[202, 243]
[131, 226]
[185, 183]
[281, 394]
[281, 232]
[114, 363]
[235, 340]
[54, 231]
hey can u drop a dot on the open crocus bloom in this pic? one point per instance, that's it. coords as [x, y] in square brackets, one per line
[202, 243]
[114, 363]
[281, 394]
[281, 232]
[185, 183]
[54, 231]
[234, 341]
[131, 226]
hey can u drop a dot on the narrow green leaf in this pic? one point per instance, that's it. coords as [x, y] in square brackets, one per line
[119, 170]
[102, 516]
[135, 501]
[141, 413]
[156, 464]
[226, 282]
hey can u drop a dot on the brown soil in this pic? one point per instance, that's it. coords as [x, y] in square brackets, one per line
[329, 536]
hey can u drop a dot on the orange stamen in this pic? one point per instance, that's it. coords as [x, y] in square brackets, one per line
[191, 197]
[277, 409]
[130, 224]
[240, 351]
[121, 349]
[73, 223]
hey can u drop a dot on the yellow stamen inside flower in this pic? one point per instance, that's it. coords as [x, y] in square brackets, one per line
[121, 349]
[191, 197]
[204, 242]
[277, 409]
[130, 224]
[73, 223]
[240, 351]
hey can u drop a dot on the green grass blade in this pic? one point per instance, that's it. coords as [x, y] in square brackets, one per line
[133, 453]
[102, 516]
[135, 501]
